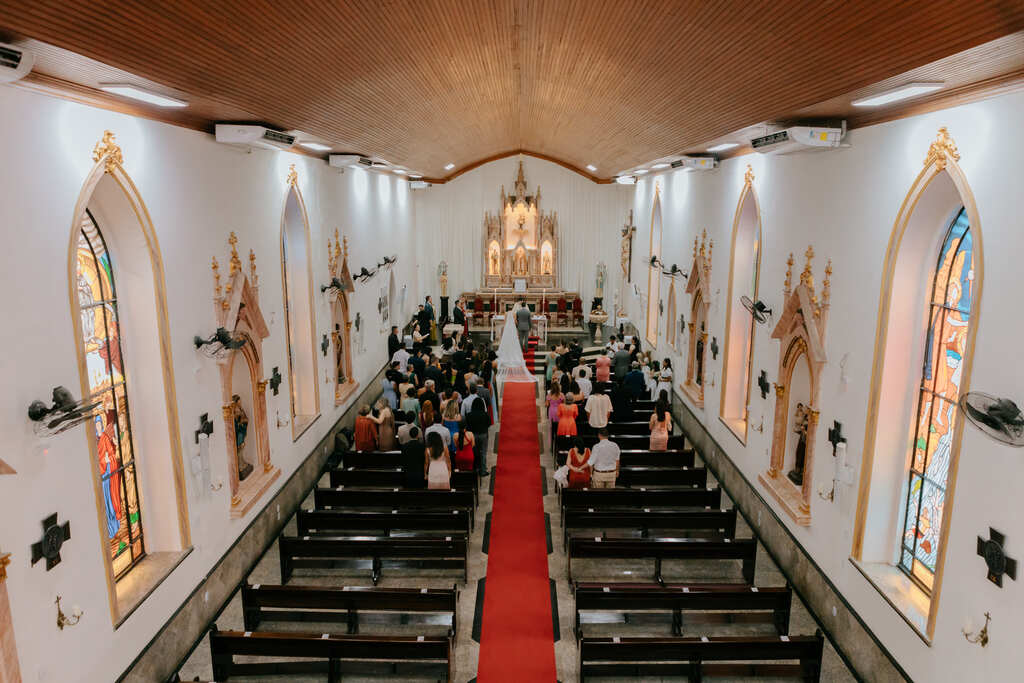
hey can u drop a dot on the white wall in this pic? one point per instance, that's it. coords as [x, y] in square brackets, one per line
[450, 224]
[845, 203]
[196, 192]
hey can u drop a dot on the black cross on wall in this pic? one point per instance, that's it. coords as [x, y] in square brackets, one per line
[714, 348]
[835, 435]
[49, 545]
[275, 380]
[763, 385]
[995, 559]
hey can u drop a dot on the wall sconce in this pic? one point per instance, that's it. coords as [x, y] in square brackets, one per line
[218, 342]
[674, 271]
[64, 620]
[712, 382]
[388, 262]
[981, 637]
[364, 275]
[656, 263]
[64, 414]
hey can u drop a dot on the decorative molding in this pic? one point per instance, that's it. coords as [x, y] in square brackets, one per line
[107, 149]
[293, 175]
[748, 176]
[5, 559]
[941, 150]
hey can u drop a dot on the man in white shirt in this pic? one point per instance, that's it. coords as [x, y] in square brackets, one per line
[438, 427]
[402, 358]
[584, 384]
[604, 457]
[598, 407]
[581, 368]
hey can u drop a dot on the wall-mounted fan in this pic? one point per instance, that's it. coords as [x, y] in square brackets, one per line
[674, 271]
[1000, 418]
[759, 310]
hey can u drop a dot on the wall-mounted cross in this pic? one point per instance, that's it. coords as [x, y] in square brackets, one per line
[275, 380]
[764, 385]
[48, 547]
[714, 348]
[995, 559]
[835, 435]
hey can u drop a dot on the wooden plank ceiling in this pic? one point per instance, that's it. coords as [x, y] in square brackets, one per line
[611, 83]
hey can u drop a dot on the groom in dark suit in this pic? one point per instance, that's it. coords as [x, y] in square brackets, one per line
[523, 323]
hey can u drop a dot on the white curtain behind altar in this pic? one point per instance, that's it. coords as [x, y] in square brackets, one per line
[450, 225]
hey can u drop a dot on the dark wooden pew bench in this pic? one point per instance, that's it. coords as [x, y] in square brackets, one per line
[346, 604]
[394, 499]
[394, 478]
[357, 522]
[659, 549]
[713, 656]
[699, 522]
[729, 603]
[646, 458]
[640, 498]
[334, 552]
[312, 653]
[661, 477]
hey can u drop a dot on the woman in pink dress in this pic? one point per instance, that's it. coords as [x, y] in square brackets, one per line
[661, 424]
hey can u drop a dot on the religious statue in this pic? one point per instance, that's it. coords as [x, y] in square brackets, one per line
[626, 257]
[545, 263]
[599, 290]
[698, 359]
[339, 353]
[796, 475]
[519, 266]
[494, 261]
[241, 421]
[442, 272]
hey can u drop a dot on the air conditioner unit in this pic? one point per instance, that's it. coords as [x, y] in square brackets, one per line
[799, 139]
[344, 160]
[15, 63]
[253, 136]
[698, 163]
[418, 184]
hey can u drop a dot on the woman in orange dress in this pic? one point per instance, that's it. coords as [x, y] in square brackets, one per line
[567, 413]
[579, 465]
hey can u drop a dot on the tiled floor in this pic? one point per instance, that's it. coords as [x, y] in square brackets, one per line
[566, 655]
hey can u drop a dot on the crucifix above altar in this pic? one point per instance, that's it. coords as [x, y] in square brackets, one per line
[521, 242]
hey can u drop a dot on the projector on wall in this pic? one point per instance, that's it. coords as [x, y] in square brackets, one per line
[696, 163]
[345, 160]
[253, 136]
[15, 63]
[799, 139]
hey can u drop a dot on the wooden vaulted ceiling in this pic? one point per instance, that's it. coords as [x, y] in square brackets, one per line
[611, 83]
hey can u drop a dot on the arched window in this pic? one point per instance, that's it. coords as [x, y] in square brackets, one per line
[97, 301]
[945, 344]
[654, 272]
[744, 272]
[298, 308]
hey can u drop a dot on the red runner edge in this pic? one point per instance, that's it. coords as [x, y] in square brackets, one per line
[516, 637]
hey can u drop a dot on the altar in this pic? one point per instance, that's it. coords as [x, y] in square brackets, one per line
[538, 327]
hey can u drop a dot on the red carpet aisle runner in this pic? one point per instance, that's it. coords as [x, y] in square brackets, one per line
[516, 639]
[531, 352]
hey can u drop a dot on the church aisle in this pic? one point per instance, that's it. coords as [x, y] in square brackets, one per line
[517, 641]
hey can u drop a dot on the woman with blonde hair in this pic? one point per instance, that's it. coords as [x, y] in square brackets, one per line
[385, 426]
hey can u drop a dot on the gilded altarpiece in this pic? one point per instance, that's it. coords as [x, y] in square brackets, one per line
[520, 242]
[341, 325]
[237, 307]
[698, 286]
[801, 332]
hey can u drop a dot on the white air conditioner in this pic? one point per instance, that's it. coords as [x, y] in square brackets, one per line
[697, 163]
[253, 136]
[418, 184]
[15, 63]
[344, 160]
[799, 139]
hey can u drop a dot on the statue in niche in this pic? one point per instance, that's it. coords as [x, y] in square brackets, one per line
[796, 475]
[494, 260]
[241, 421]
[698, 374]
[519, 266]
[339, 353]
[599, 283]
[545, 263]
[442, 272]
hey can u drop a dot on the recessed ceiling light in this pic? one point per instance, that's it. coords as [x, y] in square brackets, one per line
[640, 171]
[315, 146]
[591, 168]
[900, 93]
[724, 146]
[661, 164]
[144, 95]
[400, 171]
[415, 176]
[449, 167]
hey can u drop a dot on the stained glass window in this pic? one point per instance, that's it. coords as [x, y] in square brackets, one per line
[949, 310]
[97, 302]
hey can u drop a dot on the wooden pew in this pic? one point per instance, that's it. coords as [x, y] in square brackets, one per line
[393, 478]
[340, 523]
[262, 602]
[631, 477]
[631, 427]
[371, 460]
[653, 657]
[659, 549]
[306, 653]
[707, 523]
[326, 552]
[644, 458]
[395, 499]
[730, 602]
[604, 499]
[632, 442]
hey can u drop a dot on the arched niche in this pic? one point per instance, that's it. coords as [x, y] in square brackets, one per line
[935, 197]
[246, 434]
[297, 279]
[547, 255]
[801, 332]
[671, 334]
[698, 286]
[341, 284]
[494, 259]
[654, 271]
[744, 278]
[111, 197]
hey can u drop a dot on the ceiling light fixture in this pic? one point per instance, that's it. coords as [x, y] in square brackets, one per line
[591, 168]
[901, 93]
[626, 179]
[400, 171]
[449, 167]
[640, 171]
[724, 146]
[136, 93]
[415, 176]
[660, 165]
[315, 146]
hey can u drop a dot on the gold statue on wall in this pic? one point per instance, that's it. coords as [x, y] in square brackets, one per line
[519, 266]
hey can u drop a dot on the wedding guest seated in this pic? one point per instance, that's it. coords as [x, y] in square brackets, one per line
[413, 456]
[661, 425]
[583, 382]
[437, 466]
[366, 430]
[605, 460]
[579, 465]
